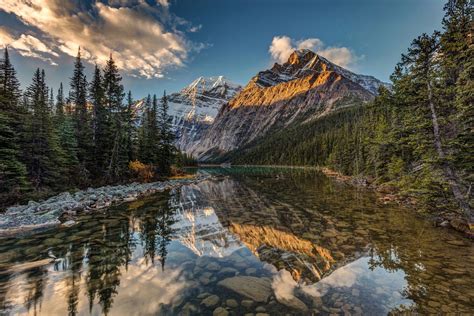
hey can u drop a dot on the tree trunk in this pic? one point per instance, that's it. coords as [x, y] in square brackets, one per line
[449, 173]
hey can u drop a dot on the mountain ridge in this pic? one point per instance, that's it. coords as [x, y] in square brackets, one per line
[305, 87]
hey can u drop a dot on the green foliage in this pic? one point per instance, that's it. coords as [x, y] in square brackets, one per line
[418, 136]
[42, 153]
[88, 139]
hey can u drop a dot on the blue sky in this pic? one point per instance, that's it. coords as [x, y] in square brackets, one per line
[165, 44]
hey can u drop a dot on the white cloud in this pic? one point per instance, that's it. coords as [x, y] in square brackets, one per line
[144, 39]
[282, 47]
[27, 45]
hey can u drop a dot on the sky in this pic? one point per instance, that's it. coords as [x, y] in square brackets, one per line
[165, 44]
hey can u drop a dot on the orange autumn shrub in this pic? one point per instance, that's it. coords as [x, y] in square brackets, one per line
[142, 172]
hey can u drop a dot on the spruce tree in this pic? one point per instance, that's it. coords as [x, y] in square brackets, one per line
[60, 103]
[166, 149]
[43, 153]
[78, 97]
[144, 149]
[129, 128]
[456, 86]
[65, 130]
[113, 99]
[13, 174]
[101, 125]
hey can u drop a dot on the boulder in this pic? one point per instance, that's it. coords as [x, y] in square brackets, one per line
[257, 289]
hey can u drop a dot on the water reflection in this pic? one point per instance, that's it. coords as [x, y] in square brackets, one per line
[316, 246]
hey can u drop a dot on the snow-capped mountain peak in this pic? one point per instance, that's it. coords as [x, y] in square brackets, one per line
[194, 108]
[303, 62]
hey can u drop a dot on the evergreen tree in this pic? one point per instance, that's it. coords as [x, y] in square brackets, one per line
[65, 130]
[13, 174]
[144, 148]
[78, 97]
[60, 102]
[101, 125]
[129, 128]
[9, 84]
[113, 96]
[166, 149]
[43, 153]
[456, 86]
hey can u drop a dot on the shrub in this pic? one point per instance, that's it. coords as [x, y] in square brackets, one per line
[141, 172]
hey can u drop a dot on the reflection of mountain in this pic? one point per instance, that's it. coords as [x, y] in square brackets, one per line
[325, 239]
[197, 225]
[272, 229]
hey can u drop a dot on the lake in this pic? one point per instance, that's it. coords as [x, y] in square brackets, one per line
[250, 241]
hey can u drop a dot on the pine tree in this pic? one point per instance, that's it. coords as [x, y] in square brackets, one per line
[166, 149]
[130, 128]
[144, 149]
[13, 174]
[60, 102]
[43, 152]
[456, 86]
[78, 97]
[65, 131]
[113, 96]
[101, 125]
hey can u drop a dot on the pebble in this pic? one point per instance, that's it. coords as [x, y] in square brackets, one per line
[220, 311]
[246, 303]
[231, 303]
[210, 301]
[260, 309]
[213, 266]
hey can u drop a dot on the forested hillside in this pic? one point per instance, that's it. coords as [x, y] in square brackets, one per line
[417, 137]
[53, 143]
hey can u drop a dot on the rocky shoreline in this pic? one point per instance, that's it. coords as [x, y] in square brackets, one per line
[61, 209]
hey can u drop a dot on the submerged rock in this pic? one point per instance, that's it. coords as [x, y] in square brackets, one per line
[210, 301]
[220, 311]
[292, 302]
[258, 289]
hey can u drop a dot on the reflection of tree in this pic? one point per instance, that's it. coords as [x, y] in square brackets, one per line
[74, 259]
[108, 252]
[155, 226]
[36, 283]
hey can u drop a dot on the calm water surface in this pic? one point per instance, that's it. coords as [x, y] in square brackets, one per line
[254, 240]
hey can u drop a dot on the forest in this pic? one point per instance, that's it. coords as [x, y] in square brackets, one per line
[417, 137]
[92, 137]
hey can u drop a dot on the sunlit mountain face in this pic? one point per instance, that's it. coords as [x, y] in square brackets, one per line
[325, 248]
[304, 87]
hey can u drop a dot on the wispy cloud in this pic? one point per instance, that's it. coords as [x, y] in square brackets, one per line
[282, 47]
[144, 38]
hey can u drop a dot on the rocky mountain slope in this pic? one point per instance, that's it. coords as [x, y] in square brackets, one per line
[195, 107]
[306, 87]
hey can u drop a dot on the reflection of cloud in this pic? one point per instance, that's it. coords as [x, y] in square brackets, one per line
[282, 47]
[160, 288]
[143, 37]
[284, 285]
[344, 276]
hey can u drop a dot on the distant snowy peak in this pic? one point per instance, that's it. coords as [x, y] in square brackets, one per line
[212, 86]
[195, 107]
[202, 99]
[304, 62]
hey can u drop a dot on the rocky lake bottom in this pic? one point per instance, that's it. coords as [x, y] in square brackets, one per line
[248, 241]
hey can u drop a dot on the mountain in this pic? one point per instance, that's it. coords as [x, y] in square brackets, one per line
[302, 89]
[195, 107]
